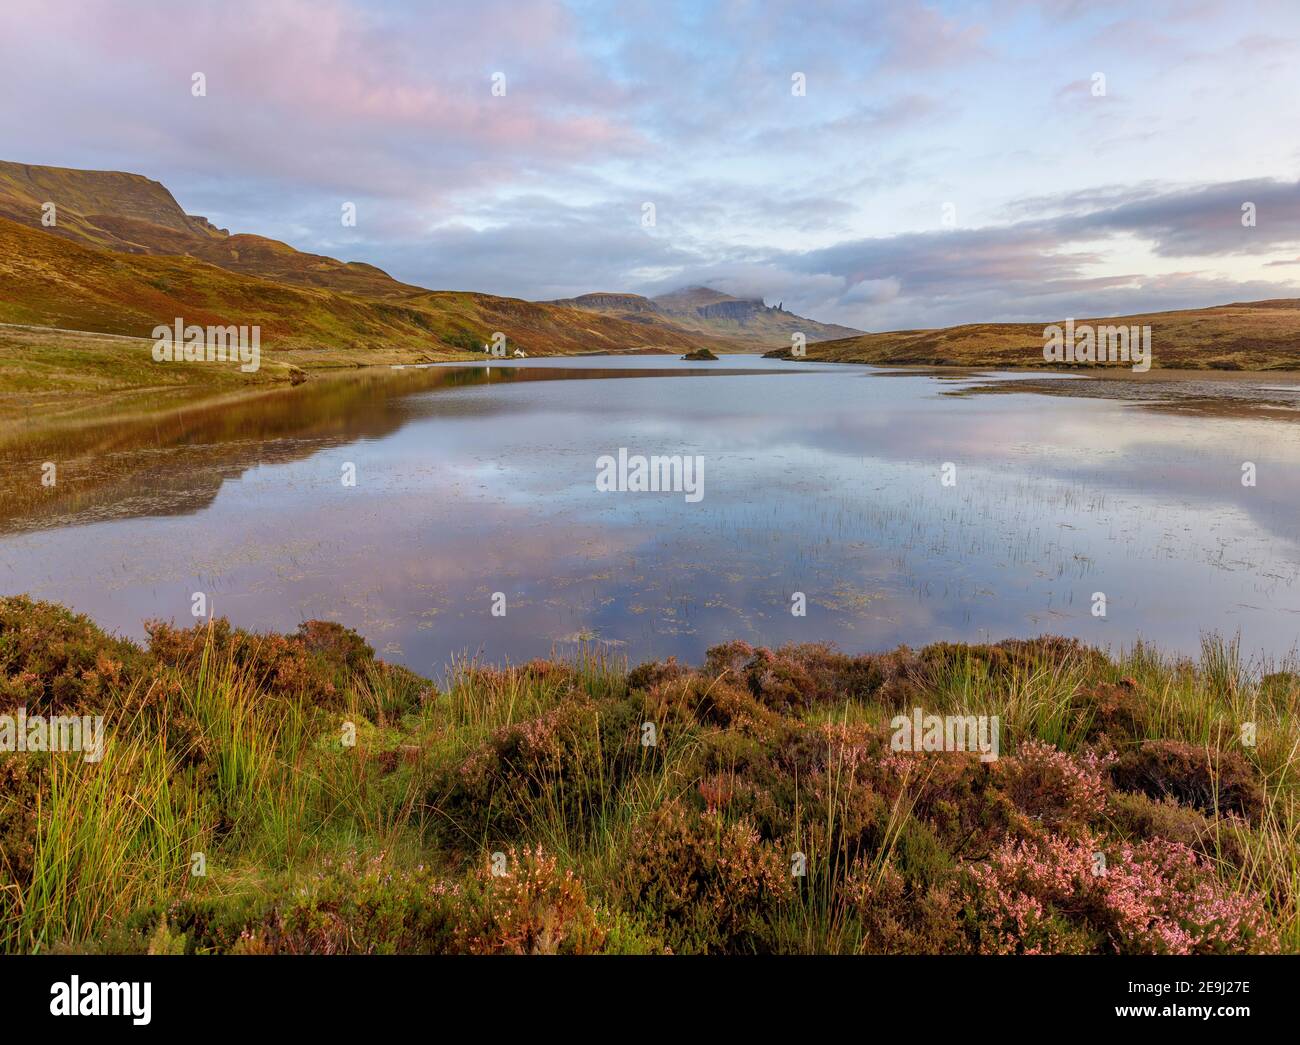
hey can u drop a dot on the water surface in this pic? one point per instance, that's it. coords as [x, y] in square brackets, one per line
[818, 478]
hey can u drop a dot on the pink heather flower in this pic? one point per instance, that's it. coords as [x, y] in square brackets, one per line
[1156, 897]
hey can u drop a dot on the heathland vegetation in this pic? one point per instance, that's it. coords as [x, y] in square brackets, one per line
[1250, 335]
[335, 803]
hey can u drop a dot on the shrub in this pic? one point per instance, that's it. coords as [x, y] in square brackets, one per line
[1116, 711]
[1055, 788]
[687, 700]
[898, 917]
[958, 796]
[535, 908]
[709, 884]
[53, 661]
[653, 673]
[797, 677]
[1134, 815]
[688, 844]
[903, 679]
[316, 665]
[1156, 897]
[563, 766]
[1011, 657]
[1210, 780]
[24, 787]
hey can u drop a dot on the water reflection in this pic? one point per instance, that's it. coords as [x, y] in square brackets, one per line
[819, 479]
[175, 461]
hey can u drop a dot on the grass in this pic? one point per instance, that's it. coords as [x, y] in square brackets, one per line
[49, 374]
[346, 805]
[1253, 335]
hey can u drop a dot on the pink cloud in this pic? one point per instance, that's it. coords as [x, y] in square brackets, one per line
[325, 92]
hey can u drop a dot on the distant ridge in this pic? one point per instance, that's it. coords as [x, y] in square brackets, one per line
[710, 311]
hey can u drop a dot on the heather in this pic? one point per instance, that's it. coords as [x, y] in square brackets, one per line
[750, 804]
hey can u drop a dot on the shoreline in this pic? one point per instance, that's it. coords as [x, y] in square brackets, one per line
[79, 378]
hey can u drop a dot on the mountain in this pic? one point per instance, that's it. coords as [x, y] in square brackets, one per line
[51, 281]
[708, 311]
[123, 257]
[1251, 335]
[125, 212]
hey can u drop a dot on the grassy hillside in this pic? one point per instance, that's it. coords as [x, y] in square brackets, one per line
[124, 257]
[271, 259]
[49, 281]
[342, 805]
[1256, 335]
[131, 214]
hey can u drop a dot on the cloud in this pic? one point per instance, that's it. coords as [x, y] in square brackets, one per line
[825, 201]
[1027, 270]
[1041, 268]
[322, 95]
[1205, 220]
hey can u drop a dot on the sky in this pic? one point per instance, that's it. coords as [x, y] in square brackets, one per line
[944, 162]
